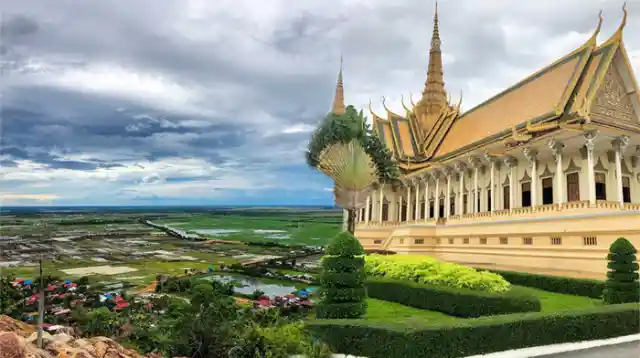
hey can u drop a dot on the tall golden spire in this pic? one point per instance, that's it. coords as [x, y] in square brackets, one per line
[434, 95]
[338, 100]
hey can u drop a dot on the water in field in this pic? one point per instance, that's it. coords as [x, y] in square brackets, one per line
[216, 231]
[247, 285]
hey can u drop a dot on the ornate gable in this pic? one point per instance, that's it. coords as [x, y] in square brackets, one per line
[613, 102]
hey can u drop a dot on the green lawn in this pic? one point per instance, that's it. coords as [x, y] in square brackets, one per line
[554, 302]
[380, 312]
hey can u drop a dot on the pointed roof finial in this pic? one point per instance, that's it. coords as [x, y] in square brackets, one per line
[338, 100]
[435, 39]
[624, 17]
[595, 34]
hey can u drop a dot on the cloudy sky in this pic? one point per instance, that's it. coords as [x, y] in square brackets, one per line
[211, 102]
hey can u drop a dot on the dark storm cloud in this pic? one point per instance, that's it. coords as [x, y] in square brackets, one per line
[237, 89]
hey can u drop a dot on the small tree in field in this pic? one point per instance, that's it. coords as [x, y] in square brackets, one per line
[343, 279]
[622, 279]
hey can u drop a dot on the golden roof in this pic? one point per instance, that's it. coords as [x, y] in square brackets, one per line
[434, 130]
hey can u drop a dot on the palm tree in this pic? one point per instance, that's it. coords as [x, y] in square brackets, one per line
[344, 148]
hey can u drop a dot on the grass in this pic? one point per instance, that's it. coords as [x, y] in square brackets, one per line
[382, 312]
[556, 302]
[303, 228]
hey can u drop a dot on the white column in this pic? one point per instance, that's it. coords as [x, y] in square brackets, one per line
[619, 145]
[560, 189]
[426, 198]
[345, 219]
[447, 198]
[436, 201]
[366, 209]
[381, 203]
[408, 201]
[591, 175]
[532, 156]
[416, 212]
[475, 164]
[511, 163]
[492, 179]
[460, 167]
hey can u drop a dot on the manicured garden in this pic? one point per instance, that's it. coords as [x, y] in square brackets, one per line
[420, 307]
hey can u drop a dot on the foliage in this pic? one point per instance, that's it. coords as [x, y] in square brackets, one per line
[223, 288]
[344, 245]
[452, 301]
[175, 285]
[280, 341]
[477, 336]
[424, 269]
[622, 283]
[342, 278]
[559, 284]
[9, 296]
[342, 129]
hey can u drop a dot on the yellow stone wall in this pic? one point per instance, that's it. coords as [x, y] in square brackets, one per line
[577, 254]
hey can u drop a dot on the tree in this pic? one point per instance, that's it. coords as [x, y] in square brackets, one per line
[622, 283]
[347, 128]
[343, 276]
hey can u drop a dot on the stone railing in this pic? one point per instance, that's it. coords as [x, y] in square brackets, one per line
[515, 212]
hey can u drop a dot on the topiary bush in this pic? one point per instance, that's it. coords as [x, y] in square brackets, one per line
[342, 279]
[622, 279]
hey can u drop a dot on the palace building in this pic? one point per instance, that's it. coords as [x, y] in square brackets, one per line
[542, 177]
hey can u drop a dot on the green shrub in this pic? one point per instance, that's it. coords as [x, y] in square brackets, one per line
[559, 284]
[477, 336]
[342, 278]
[424, 269]
[452, 301]
[622, 279]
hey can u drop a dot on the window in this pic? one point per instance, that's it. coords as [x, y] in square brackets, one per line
[464, 204]
[573, 187]
[403, 212]
[418, 241]
[385, 210]
[465, 240]
[489, 200]
[438, 241]
[401, 241]
[506, 194]
[504, 240]
[601, 186]
[626, 190]
[483, 241]
[451, 241]
[377, 242]
[441, 208]
[423, 209]
[526, 194]
[452, 205]
[527, 241]
[556, 240]
[431, 210]
[590, 241]
[547, 191]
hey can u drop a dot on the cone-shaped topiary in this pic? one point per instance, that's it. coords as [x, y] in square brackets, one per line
[343, 276]
[622, 279]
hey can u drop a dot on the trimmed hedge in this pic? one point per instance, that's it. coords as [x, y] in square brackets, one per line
[559, 284]
[477, 336]
[452, 301]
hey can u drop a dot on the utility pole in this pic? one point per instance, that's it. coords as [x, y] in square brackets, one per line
[40, 306]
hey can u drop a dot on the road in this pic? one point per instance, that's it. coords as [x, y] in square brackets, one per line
[622, 350]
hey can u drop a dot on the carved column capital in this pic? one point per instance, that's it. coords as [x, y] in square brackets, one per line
[474, 162]
[556, 147]
[531, 154]
[510, 161]
[460, 167]
[490, 158]
[620, 143]
[589, 140]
